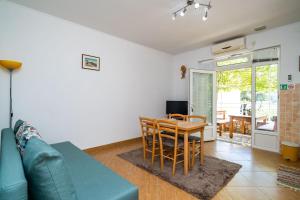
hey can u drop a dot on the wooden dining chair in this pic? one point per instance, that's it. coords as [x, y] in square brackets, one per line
[221, 114]
[170, 146]
[149, 137]
[193, 140]
[177, 116]
[202, 118]
[222, 122]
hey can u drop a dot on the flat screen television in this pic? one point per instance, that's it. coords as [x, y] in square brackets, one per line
[180, 107]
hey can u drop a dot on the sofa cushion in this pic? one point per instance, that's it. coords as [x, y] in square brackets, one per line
[23, 135]
[13, 184]
[91, 179]
[46, 173]
[17, 125]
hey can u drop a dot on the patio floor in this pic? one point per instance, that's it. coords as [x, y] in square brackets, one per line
[238, 138]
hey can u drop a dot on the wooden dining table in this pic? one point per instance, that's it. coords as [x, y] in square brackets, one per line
[186, 128]
[243, 119]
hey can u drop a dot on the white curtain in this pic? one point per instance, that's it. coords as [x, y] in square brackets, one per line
[203, 95]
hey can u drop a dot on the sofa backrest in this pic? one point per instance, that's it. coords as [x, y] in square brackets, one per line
[13, 184]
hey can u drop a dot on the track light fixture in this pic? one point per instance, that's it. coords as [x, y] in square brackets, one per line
[197, 5]
[182, 12]
[205, 15]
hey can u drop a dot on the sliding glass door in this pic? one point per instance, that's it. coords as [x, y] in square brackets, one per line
[266, 104]
[266, 99]
[247, 99]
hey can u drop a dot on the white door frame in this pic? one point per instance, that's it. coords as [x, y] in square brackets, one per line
[213, 135]
[268, 134]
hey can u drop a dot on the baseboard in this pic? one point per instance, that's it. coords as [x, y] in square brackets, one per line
[111, 145]
[266, 149]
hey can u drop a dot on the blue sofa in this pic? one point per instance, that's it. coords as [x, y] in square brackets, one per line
[91, 179]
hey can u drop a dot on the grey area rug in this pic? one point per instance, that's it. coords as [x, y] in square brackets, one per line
[203, 182]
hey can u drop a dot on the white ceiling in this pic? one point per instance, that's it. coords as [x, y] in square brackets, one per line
[148, 22]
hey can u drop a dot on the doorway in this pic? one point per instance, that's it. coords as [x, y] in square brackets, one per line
[247, 99]
[234, 108]
[240, 98]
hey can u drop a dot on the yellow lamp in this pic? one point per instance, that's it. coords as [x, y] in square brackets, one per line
[10, 65]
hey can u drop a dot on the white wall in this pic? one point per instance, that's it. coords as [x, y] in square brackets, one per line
[65, 102]
[288, 37]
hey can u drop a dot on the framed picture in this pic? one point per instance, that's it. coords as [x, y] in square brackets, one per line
[90, 62]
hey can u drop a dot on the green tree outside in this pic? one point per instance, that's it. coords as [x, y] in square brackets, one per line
[240, 79]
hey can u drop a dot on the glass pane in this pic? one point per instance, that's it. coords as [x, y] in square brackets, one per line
[234, 111]
[203, 95]
[234, 92]
[266, 55]
[266, 97]
[234, 61]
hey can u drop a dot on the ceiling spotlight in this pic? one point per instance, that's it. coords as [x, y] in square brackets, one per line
[197, 5]
[204, 18]
[182, 13]
[174, 16]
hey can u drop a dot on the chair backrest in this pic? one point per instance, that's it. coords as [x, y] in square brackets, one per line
[197, 117]
[221, 114]
[148, 127]
[167, 129]
[177, 117]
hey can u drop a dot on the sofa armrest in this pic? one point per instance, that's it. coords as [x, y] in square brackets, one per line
[13, 184]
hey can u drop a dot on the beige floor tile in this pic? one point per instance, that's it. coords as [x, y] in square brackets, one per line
[261, 179]
[256, 180]
[239, 180]
[281, 193]
[244, 193]
[223, 195]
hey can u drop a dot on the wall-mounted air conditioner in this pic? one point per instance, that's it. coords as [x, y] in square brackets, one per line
[228, 46]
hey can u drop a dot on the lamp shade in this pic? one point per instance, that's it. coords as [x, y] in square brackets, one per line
[10, 64]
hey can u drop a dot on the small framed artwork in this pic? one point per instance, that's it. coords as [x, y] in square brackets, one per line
[90, 62]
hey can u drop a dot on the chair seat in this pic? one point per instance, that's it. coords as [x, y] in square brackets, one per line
[180, 137]
[191, 138]
[166, 141]
[170, 142]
